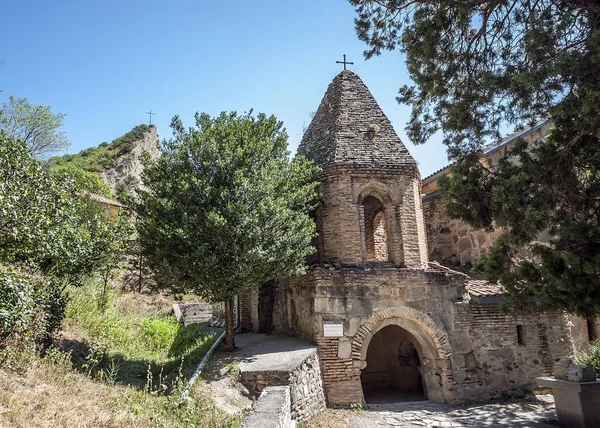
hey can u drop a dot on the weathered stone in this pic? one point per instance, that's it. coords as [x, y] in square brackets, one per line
[371, 275]
[344, 347]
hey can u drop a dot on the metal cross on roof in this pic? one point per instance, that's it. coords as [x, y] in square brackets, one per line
[344, 62]
[150, 114]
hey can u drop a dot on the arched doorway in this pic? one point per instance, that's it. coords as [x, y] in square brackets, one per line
[393, 371]
[375, 229]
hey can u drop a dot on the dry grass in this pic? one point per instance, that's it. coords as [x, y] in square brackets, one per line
[50, 392]
[41, 398]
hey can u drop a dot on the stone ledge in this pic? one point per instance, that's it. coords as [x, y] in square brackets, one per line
[271, 410]
[554, 383]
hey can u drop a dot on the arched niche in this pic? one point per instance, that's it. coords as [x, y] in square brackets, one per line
[379, 231]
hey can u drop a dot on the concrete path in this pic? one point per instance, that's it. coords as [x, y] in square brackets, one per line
[417, 414]
[262, 353]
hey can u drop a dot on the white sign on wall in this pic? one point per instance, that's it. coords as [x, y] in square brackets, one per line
[333, 330]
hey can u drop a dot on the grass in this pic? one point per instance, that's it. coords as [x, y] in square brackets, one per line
[138, 342]
[51, 394]
[122, 366]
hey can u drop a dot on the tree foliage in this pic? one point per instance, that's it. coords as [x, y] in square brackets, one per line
[33, 124]
[48, 227]
[477, 66]
[225, 209]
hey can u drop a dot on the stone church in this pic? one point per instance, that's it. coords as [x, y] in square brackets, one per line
[385, 319]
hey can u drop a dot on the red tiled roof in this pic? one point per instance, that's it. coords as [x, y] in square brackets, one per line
[475, 287]
[483, 288]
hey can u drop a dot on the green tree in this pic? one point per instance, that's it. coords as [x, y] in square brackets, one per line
[50, 228]
[114, 236]
[33, 124]
[225, 209]
[85, 180]
[478, 66]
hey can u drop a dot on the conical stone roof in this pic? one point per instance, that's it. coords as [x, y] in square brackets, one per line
[350, 129]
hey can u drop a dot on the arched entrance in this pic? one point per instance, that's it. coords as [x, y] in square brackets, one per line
[397, 333]
[393, 371]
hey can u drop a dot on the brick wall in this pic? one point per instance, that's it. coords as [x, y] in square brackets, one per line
[246, 310]
[346, 224]
[341, 380]
[514, 349]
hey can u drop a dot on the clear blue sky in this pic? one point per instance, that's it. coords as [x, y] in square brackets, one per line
[106, 63]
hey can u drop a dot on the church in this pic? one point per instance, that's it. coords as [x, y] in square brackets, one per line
[385, 319]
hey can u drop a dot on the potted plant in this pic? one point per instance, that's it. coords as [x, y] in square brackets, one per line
[576, 389]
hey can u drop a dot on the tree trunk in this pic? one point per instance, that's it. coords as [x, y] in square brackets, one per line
[229, 327]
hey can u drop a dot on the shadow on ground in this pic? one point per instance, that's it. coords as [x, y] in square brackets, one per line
[139, 373]
[532, 412]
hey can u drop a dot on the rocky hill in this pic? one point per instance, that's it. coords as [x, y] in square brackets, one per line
[111, 169]
[126, 174]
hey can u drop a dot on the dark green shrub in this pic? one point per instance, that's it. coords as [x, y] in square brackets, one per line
[51, 299]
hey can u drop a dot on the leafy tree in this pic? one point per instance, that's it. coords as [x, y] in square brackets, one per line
[50, 228]
[114, 236]
[85, 180]
[33, 124]
[477, 66]
[225, 209]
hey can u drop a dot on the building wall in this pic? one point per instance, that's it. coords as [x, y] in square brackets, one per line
[469, 352]
[514, 349]
[343, 231]
[453, 242]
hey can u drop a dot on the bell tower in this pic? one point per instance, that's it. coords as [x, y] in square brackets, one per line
[371, 209]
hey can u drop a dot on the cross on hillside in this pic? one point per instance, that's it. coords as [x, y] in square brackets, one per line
[344, 62]
[150, 114]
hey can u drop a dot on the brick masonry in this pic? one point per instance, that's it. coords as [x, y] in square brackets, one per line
[467, 351]
[246, 311]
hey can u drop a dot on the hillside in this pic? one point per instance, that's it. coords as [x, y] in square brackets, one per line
[111, 169]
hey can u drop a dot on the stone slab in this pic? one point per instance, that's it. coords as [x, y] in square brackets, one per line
[271, 353]
[271, 410]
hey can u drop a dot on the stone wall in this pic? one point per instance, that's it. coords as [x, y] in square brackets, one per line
[453, 242]
[507, 351]
[193, 313]
[306, 387]
[468, 351]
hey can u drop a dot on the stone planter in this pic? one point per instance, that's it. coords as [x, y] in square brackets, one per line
[577, 403]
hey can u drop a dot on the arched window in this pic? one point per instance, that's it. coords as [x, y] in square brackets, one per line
[375, 230]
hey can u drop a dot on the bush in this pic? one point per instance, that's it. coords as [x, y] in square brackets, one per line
[17, 304]
[50, 299]
[190, 339]
[30, 311]
[160, 332]
[591, 357]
